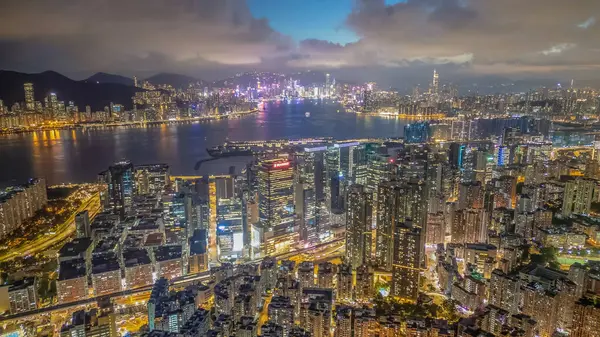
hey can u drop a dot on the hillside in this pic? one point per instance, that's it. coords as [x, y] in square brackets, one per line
[109, 78]
[175, 80]
[97, 95]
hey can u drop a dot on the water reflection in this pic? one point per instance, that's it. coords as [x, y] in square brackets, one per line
[78, 155]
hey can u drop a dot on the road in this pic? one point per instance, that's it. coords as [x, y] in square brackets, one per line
[333, 247]
[63, 231]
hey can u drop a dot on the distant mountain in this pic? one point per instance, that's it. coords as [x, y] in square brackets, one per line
[109, 78]
[96, 95]
[175, 80]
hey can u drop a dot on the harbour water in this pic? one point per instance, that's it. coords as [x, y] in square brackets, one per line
[78, 155]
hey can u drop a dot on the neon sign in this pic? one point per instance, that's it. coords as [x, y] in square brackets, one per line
[281, 165]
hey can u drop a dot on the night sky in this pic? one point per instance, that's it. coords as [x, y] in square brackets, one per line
[387, 40]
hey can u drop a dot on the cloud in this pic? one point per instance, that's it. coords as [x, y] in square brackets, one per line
[215, 37]
[116, 34]
[507, 35]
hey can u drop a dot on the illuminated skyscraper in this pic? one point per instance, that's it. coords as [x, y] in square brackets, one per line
[435, 83]
[398, 202]
[121, 186]
[586, 318]
[358, 225]
[406, 270]
[578, 196]
[391, 211]
[29, 99]
[276, 205]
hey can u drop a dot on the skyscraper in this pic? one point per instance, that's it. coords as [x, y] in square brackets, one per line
[406, 271]
[358, 225]
[29, 99]
[391, 211]
[82, 224]
[586, 318]
[276, 204]
[121, 186]
[579, 195]
[435, 83]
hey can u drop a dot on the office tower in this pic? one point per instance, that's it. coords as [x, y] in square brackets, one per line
[419, 132]
[276, 205]
[29, 98]
[406, 269]
[344, 283]
[198, 255]
[306, 211]
[325, 275]
[357, 164]
[22, 295]
[82, 224]
[586, 318]
[578, 196]
[358, 225]
[53, 106]
[225, 187]
[435, 83]
[365, 283]
[369, 99]
[151, 179]
[327, 85]
[121, 186]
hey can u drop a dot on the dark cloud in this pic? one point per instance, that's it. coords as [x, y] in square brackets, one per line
[490, 35]
[128, 36]
[209, 38]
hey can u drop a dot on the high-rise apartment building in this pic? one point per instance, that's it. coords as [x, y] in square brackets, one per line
[359, 220]
[83, 226]
[344, 283]
[151, 179]
[29, 98]
[406, 269]
[586, 318]
[579, 195]
[19, 203]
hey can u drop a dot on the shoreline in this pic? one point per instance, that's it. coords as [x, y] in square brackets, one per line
[84, 126]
